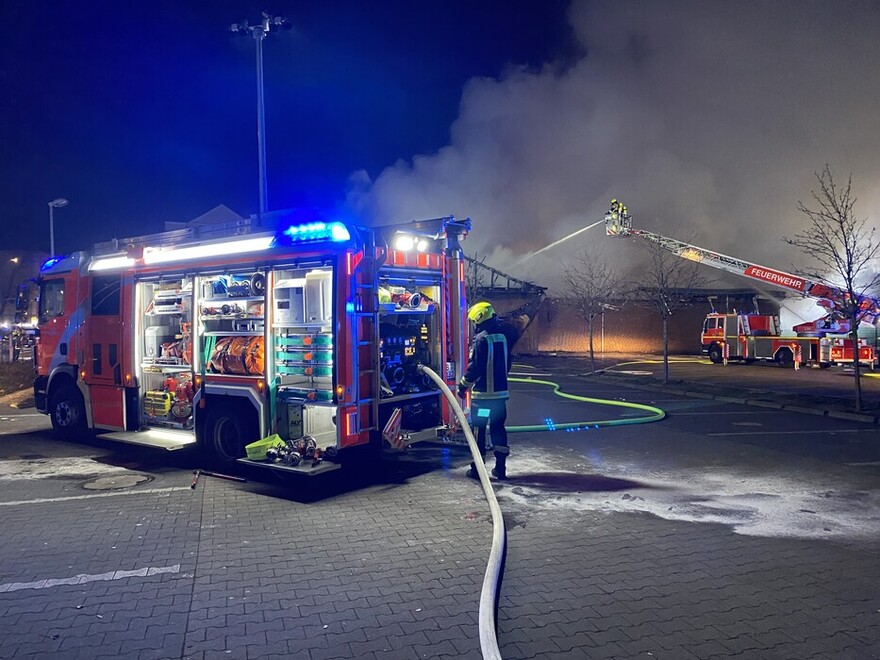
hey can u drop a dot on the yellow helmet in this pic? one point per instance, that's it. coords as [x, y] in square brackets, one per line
[481, 312]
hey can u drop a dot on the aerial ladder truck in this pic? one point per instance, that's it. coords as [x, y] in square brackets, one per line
[750, 337]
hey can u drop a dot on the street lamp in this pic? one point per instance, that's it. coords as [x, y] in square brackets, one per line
[259, 32]
[54, 204]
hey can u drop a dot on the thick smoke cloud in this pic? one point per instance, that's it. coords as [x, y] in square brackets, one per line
[708, 119]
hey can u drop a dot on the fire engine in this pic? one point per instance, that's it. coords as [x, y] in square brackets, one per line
[750, 337]
[219, 336]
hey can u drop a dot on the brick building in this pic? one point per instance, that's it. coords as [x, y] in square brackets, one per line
[631, 329]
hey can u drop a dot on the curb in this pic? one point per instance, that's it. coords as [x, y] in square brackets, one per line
[854, 417]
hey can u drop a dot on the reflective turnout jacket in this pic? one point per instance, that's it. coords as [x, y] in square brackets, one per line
[488, 364]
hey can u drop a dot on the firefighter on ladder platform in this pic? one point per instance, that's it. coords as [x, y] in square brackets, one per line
[486, 374]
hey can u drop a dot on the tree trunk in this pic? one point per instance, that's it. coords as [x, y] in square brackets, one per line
[665, 349]
[857, 367]
[592, 353]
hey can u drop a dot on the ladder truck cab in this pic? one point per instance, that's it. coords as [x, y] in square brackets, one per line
[751, 337]
[308, 332]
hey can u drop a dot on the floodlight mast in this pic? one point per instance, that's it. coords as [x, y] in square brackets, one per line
[259, 32]
[54, 204]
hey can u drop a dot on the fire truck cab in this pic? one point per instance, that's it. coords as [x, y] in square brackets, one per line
[219, 336]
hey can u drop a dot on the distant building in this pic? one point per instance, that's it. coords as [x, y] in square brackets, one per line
[18, 269]
[218, 215]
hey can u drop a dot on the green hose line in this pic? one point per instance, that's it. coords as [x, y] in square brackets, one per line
[671, 361]
[655, 416]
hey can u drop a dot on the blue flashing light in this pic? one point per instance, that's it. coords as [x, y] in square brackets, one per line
[349, 307]
[51, 261]
[315, 231]
[339, 232]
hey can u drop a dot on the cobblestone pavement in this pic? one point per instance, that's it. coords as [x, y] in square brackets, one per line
[720, 532]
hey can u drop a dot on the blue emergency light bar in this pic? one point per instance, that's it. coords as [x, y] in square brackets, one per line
[311, 232]
[51, 261]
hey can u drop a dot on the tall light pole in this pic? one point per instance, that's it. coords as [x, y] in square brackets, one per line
[54, 204]
[259, 32]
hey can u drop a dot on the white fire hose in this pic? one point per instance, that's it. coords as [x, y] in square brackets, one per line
[489, 593]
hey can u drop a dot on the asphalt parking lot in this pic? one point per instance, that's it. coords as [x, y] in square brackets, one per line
[725, 530]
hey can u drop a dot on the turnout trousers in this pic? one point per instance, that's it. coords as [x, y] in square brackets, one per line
[491, 415]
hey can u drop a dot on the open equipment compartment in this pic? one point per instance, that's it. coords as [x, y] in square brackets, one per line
[304, 350]
[409, 336]
[232, 324]
[166, 353]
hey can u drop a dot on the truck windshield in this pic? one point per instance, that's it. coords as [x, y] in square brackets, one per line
[51, 299]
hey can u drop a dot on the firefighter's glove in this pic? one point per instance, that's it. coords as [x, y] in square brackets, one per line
[462, 390]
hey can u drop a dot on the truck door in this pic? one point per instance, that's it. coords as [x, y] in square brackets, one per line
[103, 353]
[731, 335]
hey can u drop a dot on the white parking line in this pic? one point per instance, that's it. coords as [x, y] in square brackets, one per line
[148, 491]
[769, 432]
[83, 578]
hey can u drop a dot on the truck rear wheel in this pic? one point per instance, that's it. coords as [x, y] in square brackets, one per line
[227, 432]
[67, 411]
[715, 354]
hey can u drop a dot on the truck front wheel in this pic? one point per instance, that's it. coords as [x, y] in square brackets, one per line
[227, 432]
[67, 411]
[715, 354]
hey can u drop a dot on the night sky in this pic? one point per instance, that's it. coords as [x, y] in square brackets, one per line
[709, 119]
[144, 112]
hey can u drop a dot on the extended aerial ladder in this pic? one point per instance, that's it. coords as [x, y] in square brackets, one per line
[618, 222]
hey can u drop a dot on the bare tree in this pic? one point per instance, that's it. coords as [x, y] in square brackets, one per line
[844, 251]
[668, 285]
[593, 288]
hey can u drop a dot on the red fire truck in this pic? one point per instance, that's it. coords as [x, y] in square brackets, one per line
[219, 336]
[751, 337]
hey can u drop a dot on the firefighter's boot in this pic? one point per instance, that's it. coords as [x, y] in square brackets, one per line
[472, 472]
[500, 469]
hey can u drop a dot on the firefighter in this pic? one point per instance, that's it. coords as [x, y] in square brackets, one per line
[486, 373]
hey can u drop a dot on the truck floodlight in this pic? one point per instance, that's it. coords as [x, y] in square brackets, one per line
[422, 245]
[404, 242]
[162, 255]
[110, 263]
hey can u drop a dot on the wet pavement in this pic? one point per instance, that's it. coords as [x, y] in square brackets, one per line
[724, 530]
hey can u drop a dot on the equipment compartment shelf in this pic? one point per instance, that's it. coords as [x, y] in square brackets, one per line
[233, 333]
[150, 367]
[407, 397]
[234, 299]
[406, 312]
[308, 326]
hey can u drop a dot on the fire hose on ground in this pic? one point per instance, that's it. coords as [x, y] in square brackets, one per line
[489, 593]
[656, 414]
